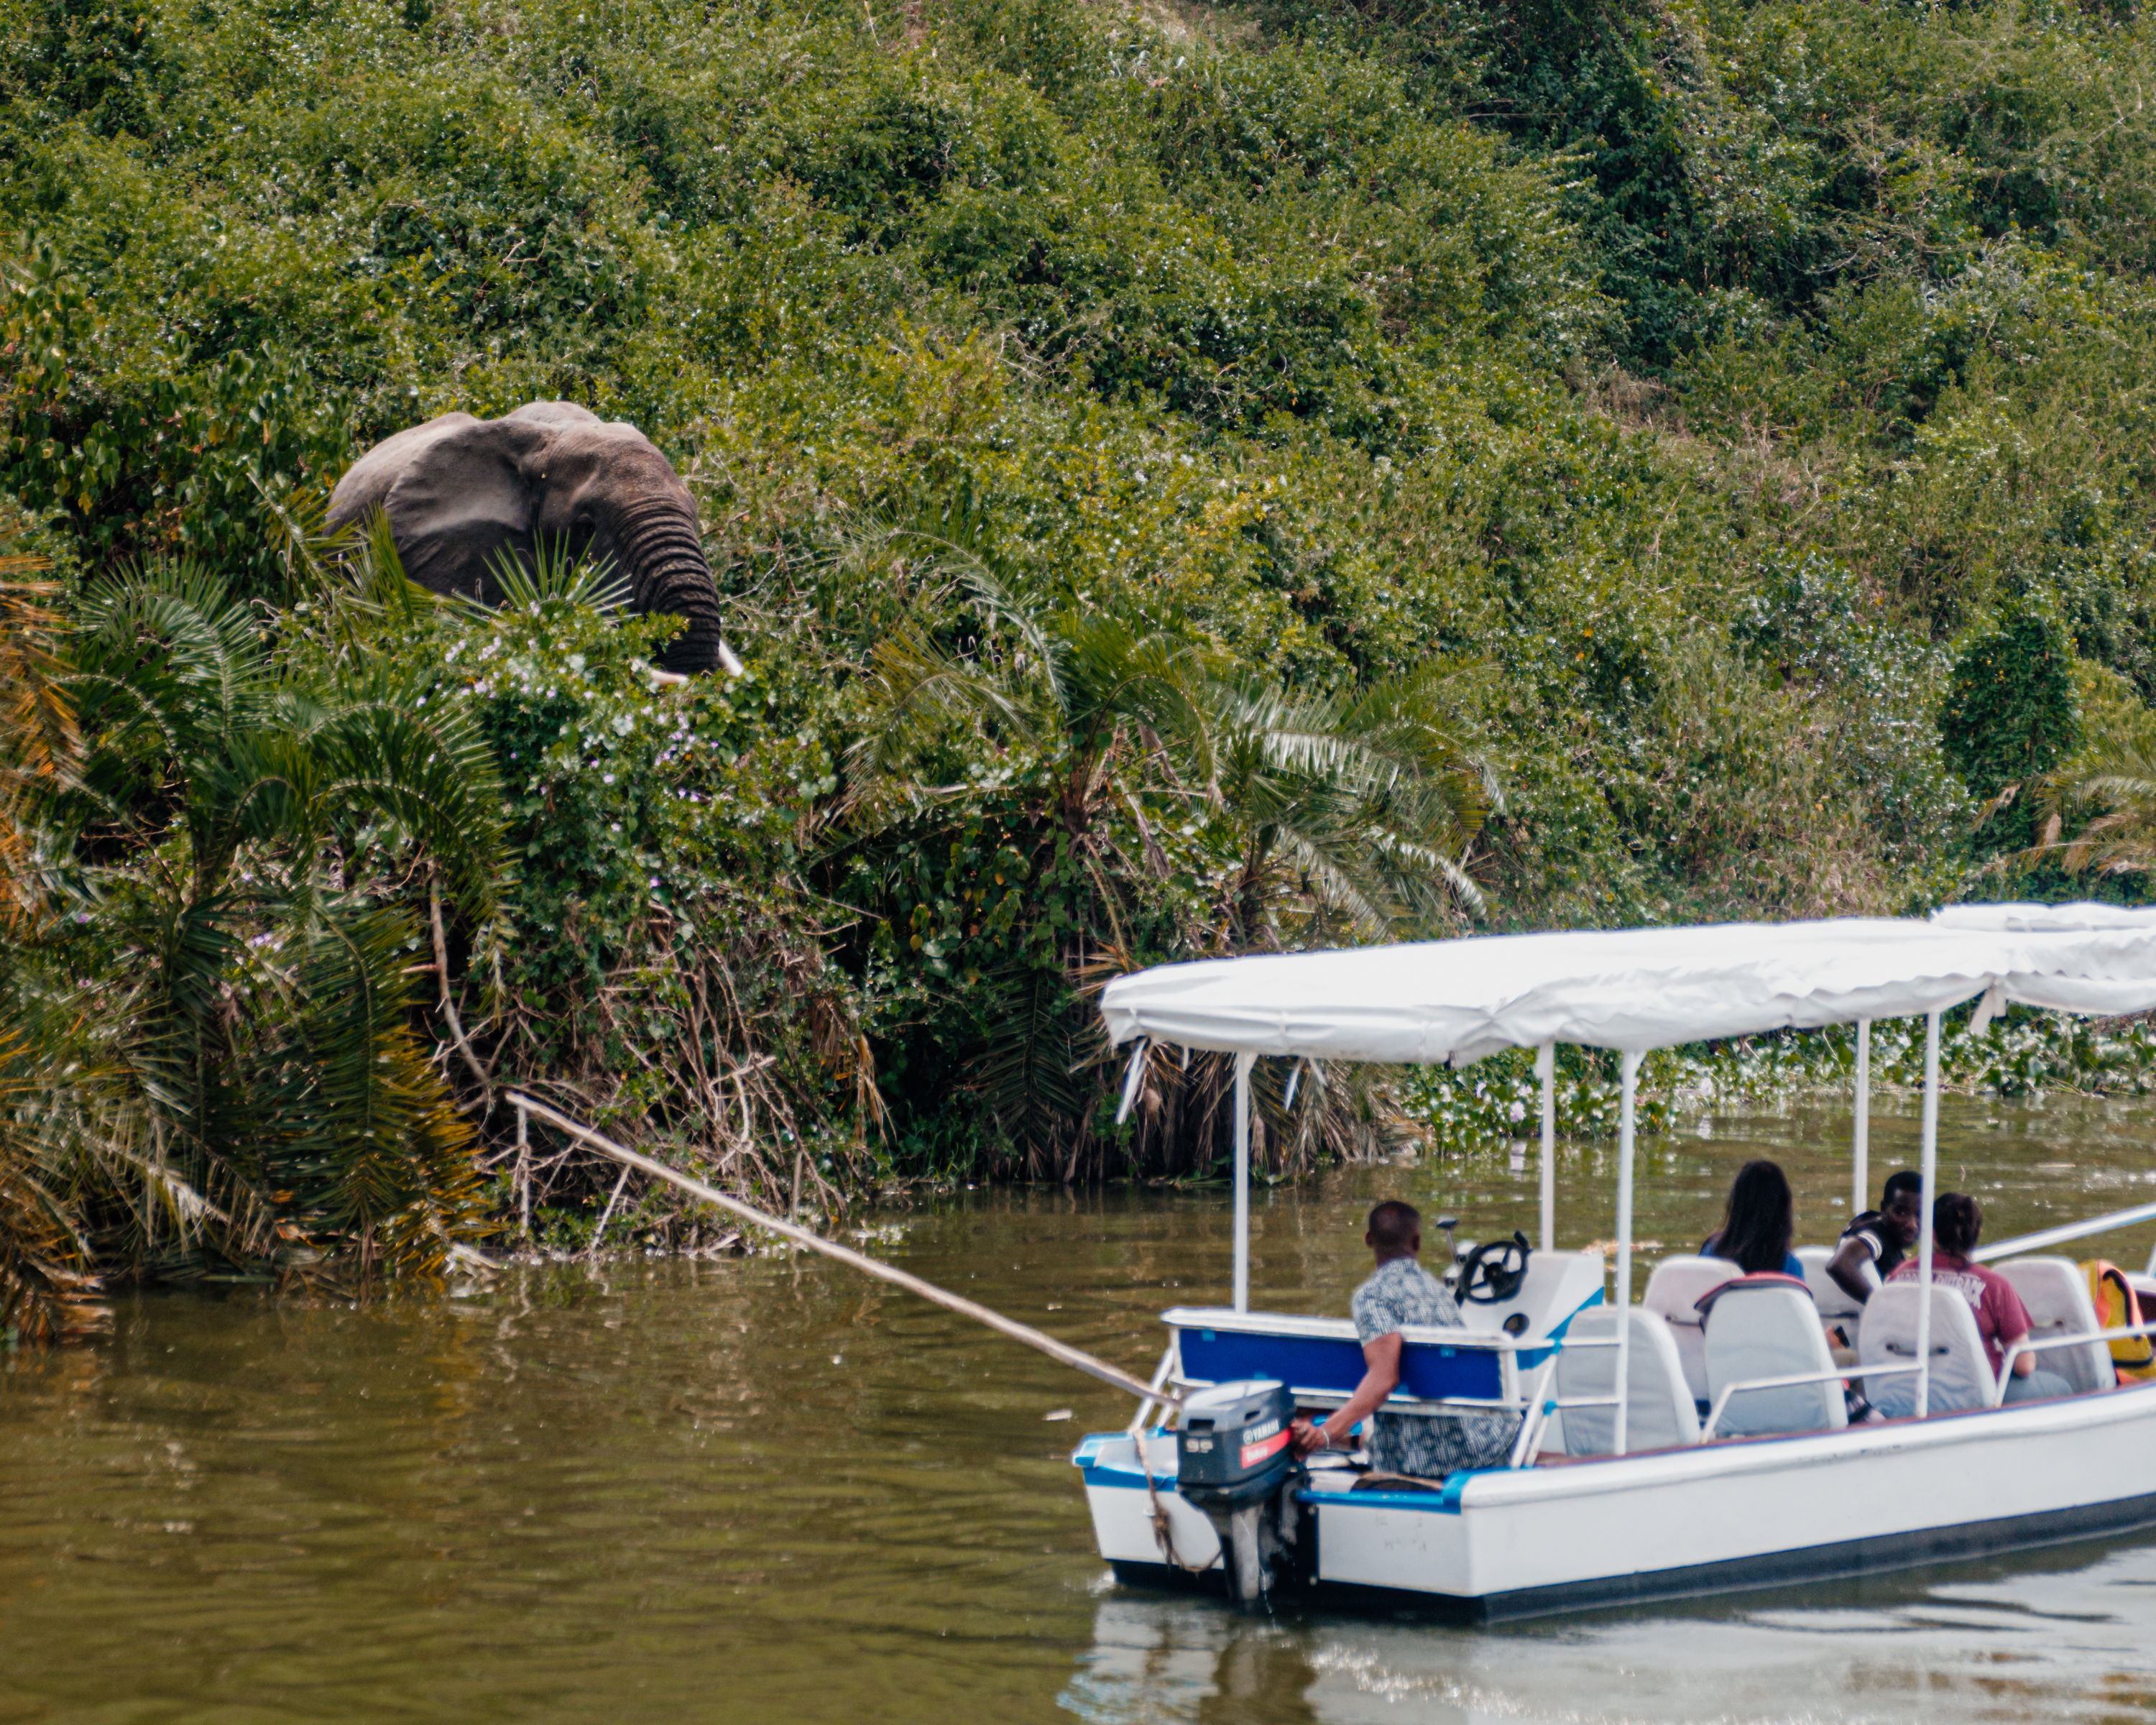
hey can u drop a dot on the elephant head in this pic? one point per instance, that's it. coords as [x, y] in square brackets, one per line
[458, 491]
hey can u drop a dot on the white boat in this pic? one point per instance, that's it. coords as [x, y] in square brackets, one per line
[1655, 1458]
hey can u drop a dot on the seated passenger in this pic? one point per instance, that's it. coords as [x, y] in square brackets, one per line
[2001, 1319]
[1880, 1238]
[1402, 1292]
[1759, 1224]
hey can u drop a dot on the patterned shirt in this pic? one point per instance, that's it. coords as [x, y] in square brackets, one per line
[1424, 1446]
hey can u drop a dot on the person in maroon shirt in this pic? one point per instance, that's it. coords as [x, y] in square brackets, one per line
[2001, 1319]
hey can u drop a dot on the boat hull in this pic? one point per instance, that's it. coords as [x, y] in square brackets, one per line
[1716, 1518]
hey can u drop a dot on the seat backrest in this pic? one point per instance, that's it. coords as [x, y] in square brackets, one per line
[1961, 1371]
[1673, 1294]
[1829, 1296]
[1659, 1414]
[2057, 1293]
[1771, 1330]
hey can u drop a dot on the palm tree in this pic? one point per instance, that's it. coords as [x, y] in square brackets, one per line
[1350, 814]
[2113, 799]
[244, 834]
[46, 1283]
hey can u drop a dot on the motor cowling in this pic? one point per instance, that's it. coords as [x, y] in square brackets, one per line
[1236, 1462]
[1235, 1445]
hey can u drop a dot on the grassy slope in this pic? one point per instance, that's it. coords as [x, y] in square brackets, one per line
[1703, 373]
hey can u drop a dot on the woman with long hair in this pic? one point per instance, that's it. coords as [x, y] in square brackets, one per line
[1757, 1226]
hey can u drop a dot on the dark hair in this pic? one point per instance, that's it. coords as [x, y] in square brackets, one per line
[1393, 1226]
[1955, 1222]
[1762, 1215]
[1908, 1180]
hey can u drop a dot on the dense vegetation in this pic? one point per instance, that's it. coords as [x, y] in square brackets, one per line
[1184, 480]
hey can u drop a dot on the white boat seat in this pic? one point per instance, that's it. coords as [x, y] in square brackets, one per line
[1961, 1371]
[1771, 1329]
[1829, 1296]
[1673, 1294]
[1659, 1414]
[1557, 1285]
[2057, 1293]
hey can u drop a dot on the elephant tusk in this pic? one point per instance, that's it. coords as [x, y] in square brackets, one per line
[727, 663]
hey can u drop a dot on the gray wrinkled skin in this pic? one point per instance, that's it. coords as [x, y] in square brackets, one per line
[458, 491]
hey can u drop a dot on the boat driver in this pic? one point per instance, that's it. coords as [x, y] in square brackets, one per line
[1402, 1292]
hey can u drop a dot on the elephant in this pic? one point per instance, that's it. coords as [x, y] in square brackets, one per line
[458, 491]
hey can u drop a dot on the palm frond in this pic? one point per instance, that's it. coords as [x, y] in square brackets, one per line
[554, 575]
[412, 749]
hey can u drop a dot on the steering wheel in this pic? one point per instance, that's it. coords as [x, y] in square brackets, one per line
[1492, 1274]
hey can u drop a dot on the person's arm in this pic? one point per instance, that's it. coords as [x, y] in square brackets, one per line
[1381, 1376]
[1847, 1267]
[2024, 1363]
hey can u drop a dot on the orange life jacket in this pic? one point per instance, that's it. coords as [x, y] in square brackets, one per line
[2118, 1303]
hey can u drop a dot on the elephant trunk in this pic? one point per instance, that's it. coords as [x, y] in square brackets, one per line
[662, 560]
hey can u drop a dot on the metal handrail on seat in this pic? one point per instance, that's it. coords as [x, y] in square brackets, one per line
[1839, 1375]
[1527, 1447]
[2029, 1344]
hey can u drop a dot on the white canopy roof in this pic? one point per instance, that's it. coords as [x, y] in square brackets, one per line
[1456, 1001]
[2042, 919]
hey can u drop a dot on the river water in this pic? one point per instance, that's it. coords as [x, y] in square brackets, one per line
[765, 1490]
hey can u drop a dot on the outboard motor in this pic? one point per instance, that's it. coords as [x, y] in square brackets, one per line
[1237, 1463]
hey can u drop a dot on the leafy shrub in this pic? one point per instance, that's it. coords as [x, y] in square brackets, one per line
[2011, 713]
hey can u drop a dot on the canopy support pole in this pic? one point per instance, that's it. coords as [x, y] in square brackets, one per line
[1243, 1181]
[1859, 1186]
[1925, 1200]
[1626, 1121]
[1546, 1071]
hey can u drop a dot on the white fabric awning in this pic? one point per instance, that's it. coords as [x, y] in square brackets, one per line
[2044, 919]
[1453, 1002]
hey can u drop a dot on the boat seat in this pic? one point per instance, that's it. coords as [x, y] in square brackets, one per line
[1829, 1296]
[2057, 1293]
[1962, 1378]
[1557, 1285]
[1673, 1294]
[1771, 1329]
[1659, 1414]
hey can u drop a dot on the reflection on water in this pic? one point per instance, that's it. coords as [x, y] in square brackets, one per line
[2063, 1634]
[766, 1492]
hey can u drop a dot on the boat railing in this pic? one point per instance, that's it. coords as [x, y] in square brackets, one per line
[2104, 1224]
[1794, 1380]
[1163, 1375]
[1534, 1425]
[2029, 1344]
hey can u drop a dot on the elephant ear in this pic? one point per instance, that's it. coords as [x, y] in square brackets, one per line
[464, 498]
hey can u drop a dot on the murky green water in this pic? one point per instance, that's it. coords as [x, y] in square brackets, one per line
[766, 1492]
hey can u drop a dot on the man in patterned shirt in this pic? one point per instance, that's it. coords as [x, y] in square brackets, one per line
[1402, 1292]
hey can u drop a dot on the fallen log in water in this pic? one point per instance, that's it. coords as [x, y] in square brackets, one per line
[1047, 1344]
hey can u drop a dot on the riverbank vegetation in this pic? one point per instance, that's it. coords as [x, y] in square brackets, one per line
[1184, 480]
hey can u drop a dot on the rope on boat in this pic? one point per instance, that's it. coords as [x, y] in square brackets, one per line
[1164, 1531]
[1062, 1352]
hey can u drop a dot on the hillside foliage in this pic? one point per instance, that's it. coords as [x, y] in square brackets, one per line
[1183, 479]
